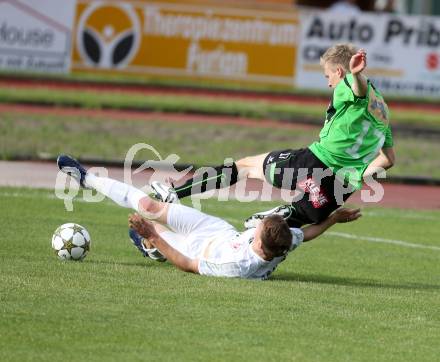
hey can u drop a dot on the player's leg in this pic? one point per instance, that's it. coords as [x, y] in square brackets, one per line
[128, 196]
[180, 218]
[199, 230]
[321, 192]
[185, 220]
[212, 178]
[286, 169]
[177, 241]
[123, 194]
[252, 167]
[209, 178]
[278, 168]
[190, 231]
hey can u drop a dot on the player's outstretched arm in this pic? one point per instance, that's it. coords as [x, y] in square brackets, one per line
[358, 63]
[383, 161]
[146, 229]
[341, 215]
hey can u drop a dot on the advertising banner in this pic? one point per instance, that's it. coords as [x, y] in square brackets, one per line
[403, 51]
[35, 36]
[185, 40]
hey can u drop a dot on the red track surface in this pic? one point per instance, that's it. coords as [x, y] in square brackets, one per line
[146, 116]
[43, 175]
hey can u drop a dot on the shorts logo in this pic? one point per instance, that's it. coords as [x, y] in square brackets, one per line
[317, 196]
[284, 156]
[108, 35]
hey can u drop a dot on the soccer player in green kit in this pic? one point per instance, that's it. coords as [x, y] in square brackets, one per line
[354, 143]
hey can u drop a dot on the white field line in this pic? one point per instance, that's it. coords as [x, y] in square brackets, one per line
[402, 216]
[52, 197]
[368, 238]
[382, 240]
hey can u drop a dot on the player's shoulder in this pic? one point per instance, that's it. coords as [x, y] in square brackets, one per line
[343, 91]
[345, 85]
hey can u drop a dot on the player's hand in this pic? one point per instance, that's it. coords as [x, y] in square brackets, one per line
[144, 227]
[358, 62]
[343, 215]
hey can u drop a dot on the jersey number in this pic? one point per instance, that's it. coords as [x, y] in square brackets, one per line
[353, 151]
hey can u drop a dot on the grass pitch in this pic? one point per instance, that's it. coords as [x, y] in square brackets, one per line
[342, 297]
[214, 105]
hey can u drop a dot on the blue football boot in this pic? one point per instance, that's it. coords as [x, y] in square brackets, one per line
[137, 241]
[73, 168]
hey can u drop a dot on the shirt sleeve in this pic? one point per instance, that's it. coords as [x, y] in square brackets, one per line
[344, 93]
[388, 138]
[219, 269]
[297, 237]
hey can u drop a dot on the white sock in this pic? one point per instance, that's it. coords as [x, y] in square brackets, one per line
[121, 193]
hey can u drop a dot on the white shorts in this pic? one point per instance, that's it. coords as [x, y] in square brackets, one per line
[192, 230]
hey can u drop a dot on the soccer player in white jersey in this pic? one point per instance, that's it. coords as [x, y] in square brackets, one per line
[199, 243]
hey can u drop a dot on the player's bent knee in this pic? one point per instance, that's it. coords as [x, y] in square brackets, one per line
[150, 207]
[242, 169]
[242, 163]
[252, 161]
[251, 167]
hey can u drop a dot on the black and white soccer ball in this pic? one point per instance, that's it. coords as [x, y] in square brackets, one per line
[71, 242]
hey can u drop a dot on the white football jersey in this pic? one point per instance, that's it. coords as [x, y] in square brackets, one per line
[233, 256]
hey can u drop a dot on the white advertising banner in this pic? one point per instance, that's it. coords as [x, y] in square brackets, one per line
[35, 35]
[403, 51]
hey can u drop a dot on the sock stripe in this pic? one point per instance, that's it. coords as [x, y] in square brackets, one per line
[202, 181]
[199, 182]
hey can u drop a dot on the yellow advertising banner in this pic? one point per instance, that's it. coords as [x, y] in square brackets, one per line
[184, 40]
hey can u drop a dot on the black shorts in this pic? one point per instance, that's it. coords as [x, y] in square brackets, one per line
[320, 192]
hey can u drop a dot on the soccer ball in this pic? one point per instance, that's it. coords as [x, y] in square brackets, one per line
[71, 242]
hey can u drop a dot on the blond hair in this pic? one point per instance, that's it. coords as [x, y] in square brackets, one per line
[339, 54]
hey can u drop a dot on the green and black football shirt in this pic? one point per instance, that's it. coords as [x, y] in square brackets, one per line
[355, 130]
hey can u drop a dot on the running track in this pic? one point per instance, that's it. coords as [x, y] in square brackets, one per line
[43, 175]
